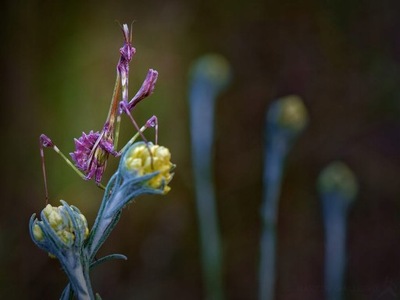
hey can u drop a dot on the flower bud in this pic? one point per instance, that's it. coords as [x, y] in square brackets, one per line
[214, 68]
[143, 159]
[84, 222]
[338, 178]
[290, 112]
[61, 227]
[37, 233]
[60, 223]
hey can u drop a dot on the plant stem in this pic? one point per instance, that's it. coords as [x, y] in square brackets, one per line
[275, 154]
[335, 252]
[202, 135]
[210, 75]
[78, 275]
[338, 189]
[104, 222]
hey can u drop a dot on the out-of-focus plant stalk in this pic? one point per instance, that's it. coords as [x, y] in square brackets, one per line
[338, 188]
[286, 119]
[209, 75]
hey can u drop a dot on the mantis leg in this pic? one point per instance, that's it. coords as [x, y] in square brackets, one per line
[124, 106]
[152, 122]
[145, 90]
[46, 142]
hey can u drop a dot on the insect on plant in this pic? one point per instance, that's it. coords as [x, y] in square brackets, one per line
[92, 150]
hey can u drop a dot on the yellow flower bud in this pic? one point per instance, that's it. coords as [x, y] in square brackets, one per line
[337, 176]
[38, 233]
[62, 225]
[85, 224]
[145, 159]
[66, 236]
[293, 113]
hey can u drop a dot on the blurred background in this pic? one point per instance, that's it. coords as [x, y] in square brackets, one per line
[342, 57]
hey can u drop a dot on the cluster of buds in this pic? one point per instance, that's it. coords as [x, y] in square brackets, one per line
[143, 159]
[144, 168]
[62, 232]
[60, 228]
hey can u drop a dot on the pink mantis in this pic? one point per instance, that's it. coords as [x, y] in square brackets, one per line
[92, 150]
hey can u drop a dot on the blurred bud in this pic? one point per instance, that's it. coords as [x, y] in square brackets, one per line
[286, 119]
[290, 112]
[143, 159]
[213, 68]
[338, 178]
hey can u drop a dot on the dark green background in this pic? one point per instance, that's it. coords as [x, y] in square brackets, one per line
[342, 57]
